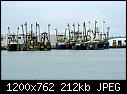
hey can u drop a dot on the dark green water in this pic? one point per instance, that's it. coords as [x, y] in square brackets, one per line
[107, 64]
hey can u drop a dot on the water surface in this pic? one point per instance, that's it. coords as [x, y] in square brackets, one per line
[107, 64]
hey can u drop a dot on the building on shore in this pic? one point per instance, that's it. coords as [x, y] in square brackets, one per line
[117, 42]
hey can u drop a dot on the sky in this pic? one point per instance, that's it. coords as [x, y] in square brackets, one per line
[59, 13]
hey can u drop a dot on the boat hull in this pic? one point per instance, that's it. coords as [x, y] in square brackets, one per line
[80, 47]
[45, 47]
[12, 47]
[60, 46]
[106, 45]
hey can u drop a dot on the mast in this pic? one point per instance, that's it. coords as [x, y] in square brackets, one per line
[36, 33]
[44, 35]
[26, 34]
[56, 31]
[69, 32]
[74, 29]
[78, 27]
[95, 29]
[103, 26]
[17, 39]
[78, 31]
[9, 31]
[85, 31]
[9, 34]
[108, 33]
[49, 31]
[56, 34]
[89, 25]
[23, 33]
[103, 30]
[65, 34]
[39, 31]
[31, 31]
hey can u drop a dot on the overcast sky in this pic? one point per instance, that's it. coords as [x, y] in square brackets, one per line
[59, 13]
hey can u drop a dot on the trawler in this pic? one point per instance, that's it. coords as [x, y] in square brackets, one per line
[61, 40]
[30, 39]
[44, 40]
[90, 39]
[76, 39]
[2, 42]
[44, 43]
[12, 41]
[97, 40]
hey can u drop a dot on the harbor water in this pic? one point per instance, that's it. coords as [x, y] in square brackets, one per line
[109, 64]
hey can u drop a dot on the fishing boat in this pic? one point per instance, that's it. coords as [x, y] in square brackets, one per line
[106, 41]
[45, 43]
[31, 40]
[12, 39]
[23, 37]
[61, 40]
[2, 42]
[79, 42]
[44, 40]
[32, 43]
[12, 45]
[78, 39]
[98, 40]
